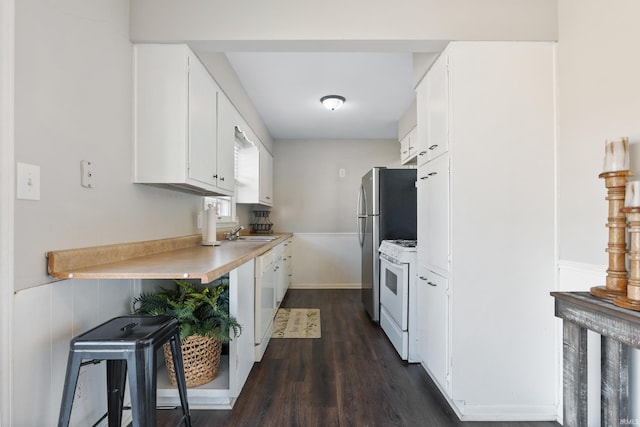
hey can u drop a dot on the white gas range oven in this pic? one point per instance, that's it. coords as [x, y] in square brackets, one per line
[398, 268]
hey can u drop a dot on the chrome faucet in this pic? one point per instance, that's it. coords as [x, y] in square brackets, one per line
[233, 234]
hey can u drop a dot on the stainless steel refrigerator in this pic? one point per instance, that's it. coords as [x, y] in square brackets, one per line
[386, 210]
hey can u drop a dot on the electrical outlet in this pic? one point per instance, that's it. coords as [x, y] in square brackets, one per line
[86, 174]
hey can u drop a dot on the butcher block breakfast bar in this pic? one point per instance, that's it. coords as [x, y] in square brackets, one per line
[174, 258]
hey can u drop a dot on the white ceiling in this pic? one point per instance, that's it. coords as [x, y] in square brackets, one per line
[286, 88]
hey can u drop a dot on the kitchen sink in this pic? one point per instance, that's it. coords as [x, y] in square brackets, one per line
[256, 238]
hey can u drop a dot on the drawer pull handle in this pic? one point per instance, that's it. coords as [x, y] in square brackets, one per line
[422, 278]
[422, 153]
[424, 177]
[432, 173]
[431, 284]
[433, 147]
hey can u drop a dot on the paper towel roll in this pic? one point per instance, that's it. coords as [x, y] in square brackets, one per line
[210, 227]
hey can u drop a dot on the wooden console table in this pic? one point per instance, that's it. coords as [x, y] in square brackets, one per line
[619, 329]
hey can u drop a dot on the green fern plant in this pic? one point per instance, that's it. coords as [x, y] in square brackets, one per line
[199, 310]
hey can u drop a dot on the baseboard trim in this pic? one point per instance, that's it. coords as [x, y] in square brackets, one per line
[325, 286]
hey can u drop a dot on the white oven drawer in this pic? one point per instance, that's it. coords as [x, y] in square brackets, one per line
[394, 291]
[398, 337]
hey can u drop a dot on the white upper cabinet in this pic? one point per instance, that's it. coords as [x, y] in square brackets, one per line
[266, 177]
[255, 170]
[422, 148]
[202, 136]
[437, 108]
[175, 121]
[433, 112]
[408, 147]
[228, 118]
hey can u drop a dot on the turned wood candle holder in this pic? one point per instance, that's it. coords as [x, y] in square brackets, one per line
[632, 298]
[616, 283]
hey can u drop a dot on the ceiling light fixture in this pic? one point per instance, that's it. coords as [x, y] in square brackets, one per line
[332, 102]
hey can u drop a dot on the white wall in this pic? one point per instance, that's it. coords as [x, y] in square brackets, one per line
[310, 194]
[73, 89]
[73, 101]
[330, 20]
[7, 32]
[313, 201]
[598, 97]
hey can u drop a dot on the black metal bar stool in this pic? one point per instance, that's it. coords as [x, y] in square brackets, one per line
[127, 343]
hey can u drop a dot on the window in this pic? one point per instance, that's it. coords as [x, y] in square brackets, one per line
[226, 205]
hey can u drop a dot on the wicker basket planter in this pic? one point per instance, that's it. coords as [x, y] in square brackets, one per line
[201, 358]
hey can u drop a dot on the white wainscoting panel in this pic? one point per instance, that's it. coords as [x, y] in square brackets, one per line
[326, 261]
[45, 319]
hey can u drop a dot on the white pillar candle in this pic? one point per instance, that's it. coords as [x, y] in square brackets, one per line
[616, 155]
[632, 195]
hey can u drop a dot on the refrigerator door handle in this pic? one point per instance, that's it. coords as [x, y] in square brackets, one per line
[361, 215]
[362, 226]
[360, 212]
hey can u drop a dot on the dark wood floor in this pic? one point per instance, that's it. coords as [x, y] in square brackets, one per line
[352, 376]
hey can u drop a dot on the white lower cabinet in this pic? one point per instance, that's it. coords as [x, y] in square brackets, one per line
[272, 279]
[486, 249]
[265, 301]
[288, 263]
[283, 262]
[433, 337]
[235, 366]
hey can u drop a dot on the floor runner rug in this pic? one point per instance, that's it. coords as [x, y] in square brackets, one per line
[297, 323]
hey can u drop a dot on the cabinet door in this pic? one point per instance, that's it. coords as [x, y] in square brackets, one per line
[202, 124]
[408, 147]
[421, 146]
[160, 108]
[266, 177]
[413, 143]
[241, 305]
[437, 108]
[433, 325]
[404, 150]
[227, 120]
[280, 273]
[265, 293]
[288, 262]
[434, 214]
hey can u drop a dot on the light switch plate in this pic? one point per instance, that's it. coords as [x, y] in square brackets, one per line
[27, 181]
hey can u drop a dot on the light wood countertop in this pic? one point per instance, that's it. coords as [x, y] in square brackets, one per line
[178, 258]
